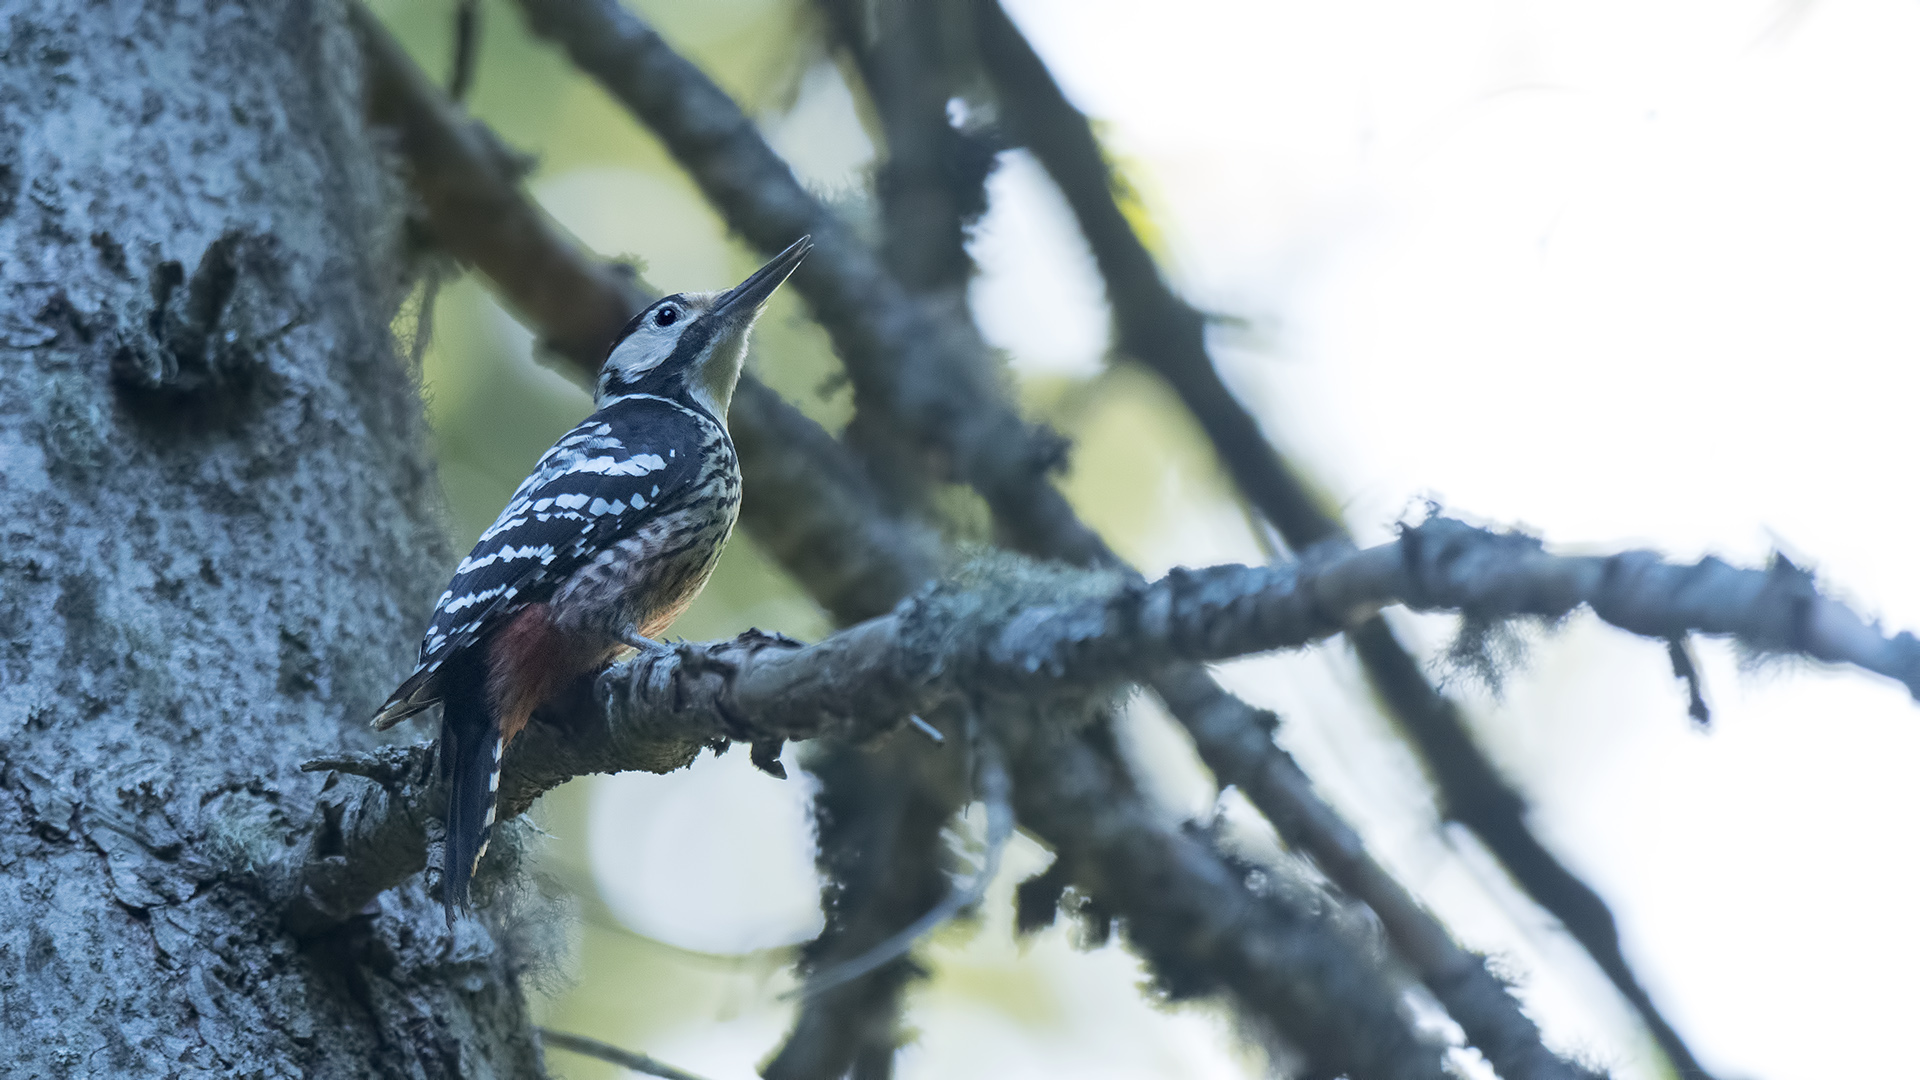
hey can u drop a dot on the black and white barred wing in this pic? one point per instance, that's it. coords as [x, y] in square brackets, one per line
[602, 480]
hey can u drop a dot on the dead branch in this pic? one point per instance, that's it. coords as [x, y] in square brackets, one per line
[1035, 635]
[1156, 327]
[1236, 742]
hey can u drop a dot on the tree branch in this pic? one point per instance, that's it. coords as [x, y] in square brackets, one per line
[931, 183]
[1194, 917]
[881, 811]
[1162, 331]
[923, 366]
[896, 548]
[463, 176]
[1154, 325]
[1236, 742]
[1004, 630]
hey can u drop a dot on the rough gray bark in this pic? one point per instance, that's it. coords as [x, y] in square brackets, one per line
[219, 547]
[1052, 639]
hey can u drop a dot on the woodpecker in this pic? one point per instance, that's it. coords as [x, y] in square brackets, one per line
[610, 538]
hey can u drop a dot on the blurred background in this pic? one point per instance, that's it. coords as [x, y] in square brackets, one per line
[1625, 274]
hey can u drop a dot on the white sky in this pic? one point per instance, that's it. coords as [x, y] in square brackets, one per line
[1635, 273]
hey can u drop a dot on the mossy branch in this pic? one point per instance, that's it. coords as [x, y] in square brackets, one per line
[1037, 633]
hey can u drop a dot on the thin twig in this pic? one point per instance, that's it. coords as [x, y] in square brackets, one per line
[466, 48]
[1687, 670]
[626, 1059]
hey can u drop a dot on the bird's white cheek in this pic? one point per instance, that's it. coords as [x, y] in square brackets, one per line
[639, 354]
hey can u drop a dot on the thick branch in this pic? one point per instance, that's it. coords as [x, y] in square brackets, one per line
[655, 713]
[931, 183]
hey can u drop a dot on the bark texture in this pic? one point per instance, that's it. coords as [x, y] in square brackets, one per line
[220, 544]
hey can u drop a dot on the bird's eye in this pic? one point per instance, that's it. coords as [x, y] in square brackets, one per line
[666, 315]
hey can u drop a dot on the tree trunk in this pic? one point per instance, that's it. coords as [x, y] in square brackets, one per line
[220, 546]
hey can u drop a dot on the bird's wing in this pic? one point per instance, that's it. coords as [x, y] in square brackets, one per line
[621, 467]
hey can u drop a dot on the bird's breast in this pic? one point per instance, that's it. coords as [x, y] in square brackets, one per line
[647, 578]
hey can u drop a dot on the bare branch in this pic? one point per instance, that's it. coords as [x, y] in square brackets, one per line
[990, 777]
[1236, 742]
[466, 47]
[1194, 917]
[1007, 632]
[1154, 325]
[1162, 331]
[931, 183]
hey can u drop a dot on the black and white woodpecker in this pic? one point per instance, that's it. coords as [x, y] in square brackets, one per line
[607, 541]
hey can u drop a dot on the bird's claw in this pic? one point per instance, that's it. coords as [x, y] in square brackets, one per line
[646, 646]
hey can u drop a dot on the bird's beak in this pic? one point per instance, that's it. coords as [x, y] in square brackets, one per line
[746, 298]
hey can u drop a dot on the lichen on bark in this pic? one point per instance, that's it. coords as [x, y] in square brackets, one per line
[220, 541]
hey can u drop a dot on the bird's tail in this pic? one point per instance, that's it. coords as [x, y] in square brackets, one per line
[470, 748]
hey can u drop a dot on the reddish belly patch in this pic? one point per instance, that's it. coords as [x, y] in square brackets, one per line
[530, 660]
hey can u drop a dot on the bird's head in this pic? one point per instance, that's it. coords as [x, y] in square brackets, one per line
[693, 344]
